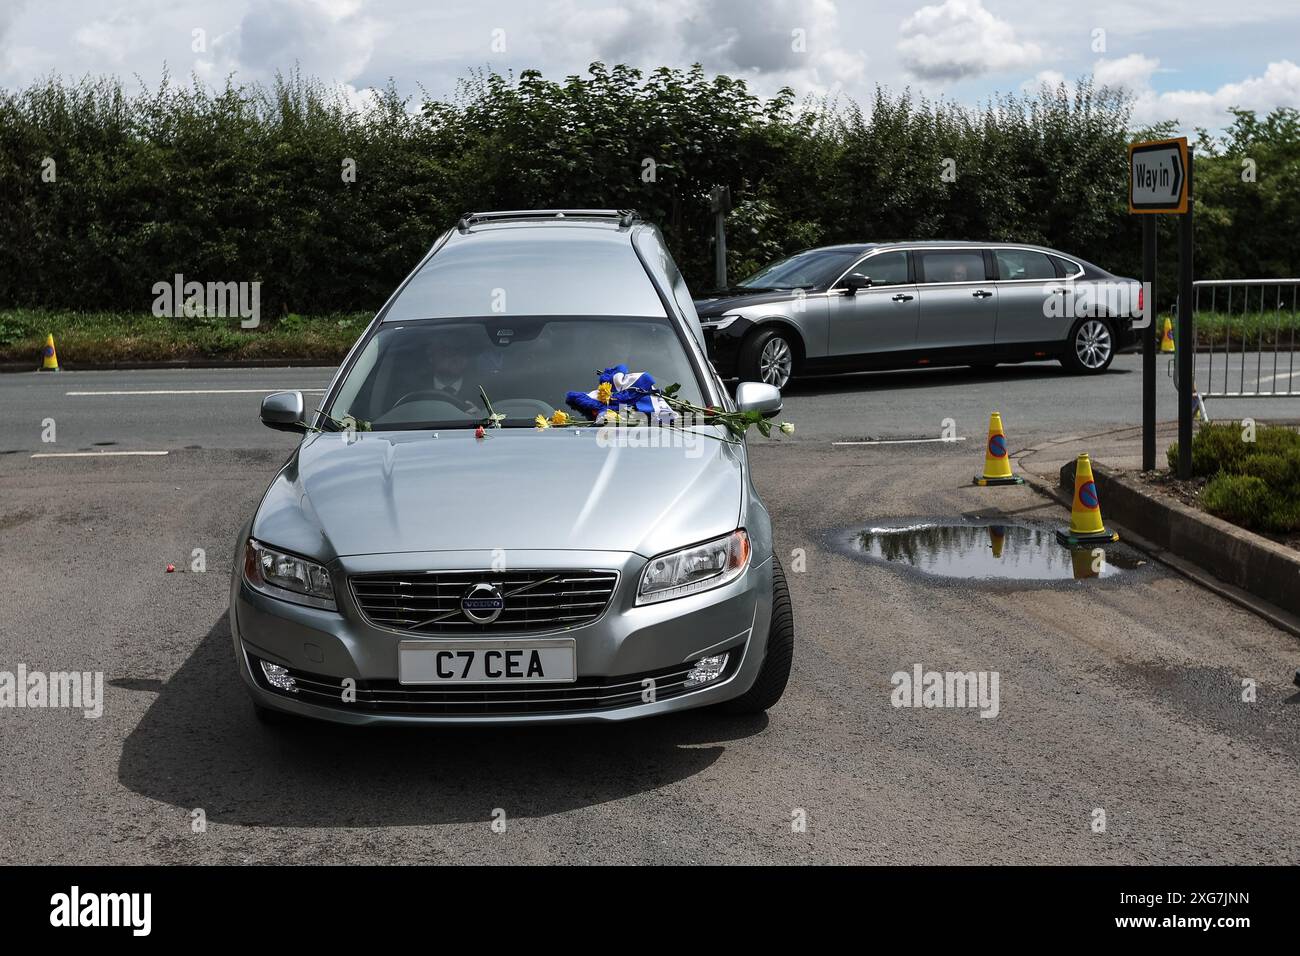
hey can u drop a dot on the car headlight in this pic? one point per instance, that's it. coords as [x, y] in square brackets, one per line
[694, 569]
[720, 323]
[287, 576]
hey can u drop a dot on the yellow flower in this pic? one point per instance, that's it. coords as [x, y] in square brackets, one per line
[611, 417]
[603, 393]
[542, 422]
[559, 418]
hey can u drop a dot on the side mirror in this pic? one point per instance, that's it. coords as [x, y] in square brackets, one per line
[283, 411]
[758, 397]
[853, 283]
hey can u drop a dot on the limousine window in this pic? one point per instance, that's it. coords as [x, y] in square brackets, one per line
[1023, 264]
[887, 268]
[951, 266]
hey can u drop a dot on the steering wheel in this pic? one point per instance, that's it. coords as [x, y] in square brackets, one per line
[463, 404]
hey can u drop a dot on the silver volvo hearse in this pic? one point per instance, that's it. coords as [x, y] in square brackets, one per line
[432, 552]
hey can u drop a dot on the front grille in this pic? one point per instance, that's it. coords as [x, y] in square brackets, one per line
[428, 602]
[504, 700]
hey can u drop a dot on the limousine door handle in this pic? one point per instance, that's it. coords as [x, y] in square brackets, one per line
[981, 294]
[902, 297]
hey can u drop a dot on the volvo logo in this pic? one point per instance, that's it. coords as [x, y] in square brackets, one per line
[483, 603]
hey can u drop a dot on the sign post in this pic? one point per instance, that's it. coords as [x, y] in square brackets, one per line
[1160, 183]
[1149, 336]
[720, 205]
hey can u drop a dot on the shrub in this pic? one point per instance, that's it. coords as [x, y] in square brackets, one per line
[1241, 499]
[1253, 484]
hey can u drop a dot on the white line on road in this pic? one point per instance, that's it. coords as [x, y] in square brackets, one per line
[204, 391]
[901, 441]
[92, 454]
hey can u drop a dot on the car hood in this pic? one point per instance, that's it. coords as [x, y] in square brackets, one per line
[515, 489]
[713, 306]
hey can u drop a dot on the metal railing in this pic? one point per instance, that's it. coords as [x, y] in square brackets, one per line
[1246, 336]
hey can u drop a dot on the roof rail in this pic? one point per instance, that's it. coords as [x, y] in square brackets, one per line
[625, 217]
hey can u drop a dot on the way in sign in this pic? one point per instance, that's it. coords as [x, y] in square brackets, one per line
[1154, 177]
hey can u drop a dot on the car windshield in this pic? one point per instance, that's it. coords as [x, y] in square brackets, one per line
[428, 373]
[804, 270]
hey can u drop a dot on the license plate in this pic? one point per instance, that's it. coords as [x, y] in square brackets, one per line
[479, 662]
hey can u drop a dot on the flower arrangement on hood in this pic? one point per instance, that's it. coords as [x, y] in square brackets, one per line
[623, 397]
[619, 390]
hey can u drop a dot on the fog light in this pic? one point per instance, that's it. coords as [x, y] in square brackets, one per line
[279, 677]
[706, 670]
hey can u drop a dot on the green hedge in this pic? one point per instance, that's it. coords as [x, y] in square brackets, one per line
[245, 183]
[1255, 484]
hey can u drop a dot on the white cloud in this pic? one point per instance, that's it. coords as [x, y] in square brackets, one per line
[1049, 78]
[115, 39]
[776, 42]
[1133, 71]
[8, 14]
[959, 38]
[1279, 86]
[331, 39]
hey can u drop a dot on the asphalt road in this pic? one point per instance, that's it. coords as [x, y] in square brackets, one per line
[1121, 695]
[217, 408]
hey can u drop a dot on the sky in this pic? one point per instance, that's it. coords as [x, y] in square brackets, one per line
[1183, 60]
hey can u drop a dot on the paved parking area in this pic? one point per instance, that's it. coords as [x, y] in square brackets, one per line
[1121, 696]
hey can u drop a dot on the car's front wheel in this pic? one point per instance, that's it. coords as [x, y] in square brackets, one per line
[767, 356]
[770, 683]
[1090, 348]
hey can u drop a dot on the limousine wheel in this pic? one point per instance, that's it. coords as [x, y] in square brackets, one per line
[767, 356]
[1090, 348]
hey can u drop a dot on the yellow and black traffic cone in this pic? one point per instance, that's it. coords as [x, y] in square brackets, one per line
[997, 466]
[997, 538]
[49, 357]
[1167, 336]
[1085, 513]
[1082, 564]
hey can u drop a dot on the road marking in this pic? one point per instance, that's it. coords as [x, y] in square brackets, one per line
[92, 454]
[901, 441]
[204, 391]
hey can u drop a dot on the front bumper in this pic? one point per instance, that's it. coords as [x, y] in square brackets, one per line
[723, 346]
[626, 645]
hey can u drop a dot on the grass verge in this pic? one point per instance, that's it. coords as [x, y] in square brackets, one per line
[1252, 330]
[90, 338]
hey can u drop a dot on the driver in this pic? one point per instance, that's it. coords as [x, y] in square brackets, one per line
[449, 360]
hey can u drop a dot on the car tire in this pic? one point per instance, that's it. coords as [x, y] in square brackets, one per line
[770, 683]
[1091, 346]
[768, 355]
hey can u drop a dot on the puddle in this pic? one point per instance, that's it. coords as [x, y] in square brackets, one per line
[988, 549]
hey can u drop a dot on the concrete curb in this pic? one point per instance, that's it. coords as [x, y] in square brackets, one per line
[1248, 569]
